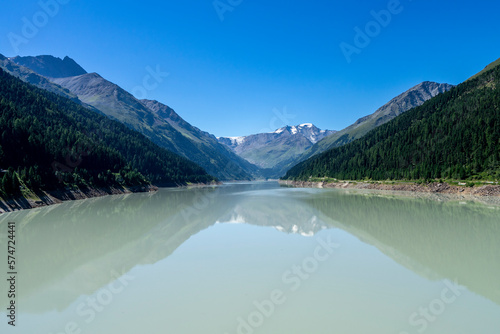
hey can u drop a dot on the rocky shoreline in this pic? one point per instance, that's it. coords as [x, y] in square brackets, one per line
[434, 188]
[46, 198]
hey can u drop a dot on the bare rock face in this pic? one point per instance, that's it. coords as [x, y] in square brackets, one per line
[50, 66]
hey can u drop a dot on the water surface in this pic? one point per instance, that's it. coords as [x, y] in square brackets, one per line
[256, 258]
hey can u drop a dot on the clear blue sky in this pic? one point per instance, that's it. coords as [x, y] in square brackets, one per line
[227, 77]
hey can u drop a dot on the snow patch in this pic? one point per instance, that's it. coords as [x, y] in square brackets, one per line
[237, 140]
[235, 219]
[280, 130]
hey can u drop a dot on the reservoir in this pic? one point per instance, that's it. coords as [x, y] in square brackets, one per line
[255, 258]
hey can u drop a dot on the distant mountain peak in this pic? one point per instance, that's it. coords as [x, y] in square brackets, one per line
[50, 66]
[295, 128]
[275, 149]
[307, 130]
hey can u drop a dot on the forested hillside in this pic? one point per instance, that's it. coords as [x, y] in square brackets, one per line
[414, 97]
[50, 142]
[455, 135]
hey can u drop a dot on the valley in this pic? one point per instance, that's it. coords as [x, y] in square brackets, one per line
[281, 153]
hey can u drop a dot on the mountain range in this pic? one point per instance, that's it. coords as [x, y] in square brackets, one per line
[279, 151]
[274, 151]
[161, 125]
[267, 155]
[263, 155]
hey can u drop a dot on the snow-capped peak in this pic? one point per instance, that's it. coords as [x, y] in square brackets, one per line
[308, 130]
[292, 129]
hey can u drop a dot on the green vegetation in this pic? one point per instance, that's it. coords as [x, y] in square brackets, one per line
[50, 142]
[455, 135]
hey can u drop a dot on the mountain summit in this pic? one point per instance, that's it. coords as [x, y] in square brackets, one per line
[50, 66]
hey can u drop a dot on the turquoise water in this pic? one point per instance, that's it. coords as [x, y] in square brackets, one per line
[255, 258]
